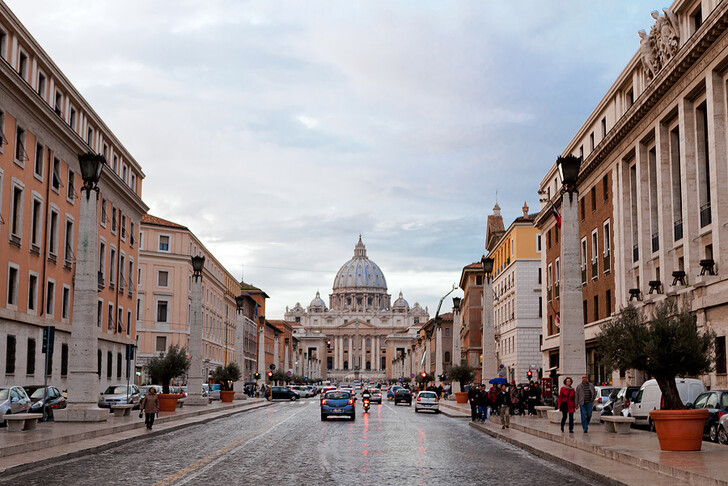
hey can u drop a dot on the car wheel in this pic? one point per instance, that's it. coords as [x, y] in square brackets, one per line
[713, 433]
[722, 435]
[294, 398]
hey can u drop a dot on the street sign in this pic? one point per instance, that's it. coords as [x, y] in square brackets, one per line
[130, 352]
[49, 333]
[401, 379]
[289, 373]
[411, 376]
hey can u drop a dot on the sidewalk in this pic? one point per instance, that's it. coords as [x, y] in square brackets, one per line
[635, 458]
[51, 442]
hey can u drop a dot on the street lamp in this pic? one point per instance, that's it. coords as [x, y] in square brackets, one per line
[490, 361]
[572, 348]
[198, 263]
[456, 303]
[194, 385]
[82, 379]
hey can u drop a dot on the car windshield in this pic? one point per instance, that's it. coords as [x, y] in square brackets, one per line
[337, 395]
[38, 392]
[4, 393]
[428, 395]
[117, 390]
[402, 391]
[606, 391]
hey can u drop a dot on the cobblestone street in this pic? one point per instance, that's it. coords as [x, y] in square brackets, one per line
[287, 444]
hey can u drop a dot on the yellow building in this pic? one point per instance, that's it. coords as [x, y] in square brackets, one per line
[517, 301]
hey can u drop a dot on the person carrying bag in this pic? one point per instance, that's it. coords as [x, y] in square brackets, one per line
[567, 404]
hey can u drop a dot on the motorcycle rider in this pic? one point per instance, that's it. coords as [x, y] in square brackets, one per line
[366, 398]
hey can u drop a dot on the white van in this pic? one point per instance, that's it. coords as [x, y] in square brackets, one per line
[650, 397]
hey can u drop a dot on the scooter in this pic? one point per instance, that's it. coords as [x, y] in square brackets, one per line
[365, 404]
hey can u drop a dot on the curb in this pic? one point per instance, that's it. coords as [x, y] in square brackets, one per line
[197, 419]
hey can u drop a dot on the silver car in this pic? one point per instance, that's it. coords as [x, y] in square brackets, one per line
[13, 399]
[120, 395]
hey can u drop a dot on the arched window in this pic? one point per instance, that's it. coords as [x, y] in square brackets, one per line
[447, 356]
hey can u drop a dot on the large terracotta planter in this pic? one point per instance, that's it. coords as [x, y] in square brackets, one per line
[461, 397]
[167, 401]
[226, 396]
[680, 430]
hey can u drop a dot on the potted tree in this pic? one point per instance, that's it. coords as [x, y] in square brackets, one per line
[463, 374]
[226, 376]
[666, 344]
[165, 368]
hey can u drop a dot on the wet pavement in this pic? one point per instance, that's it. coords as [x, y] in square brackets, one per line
[288, 443]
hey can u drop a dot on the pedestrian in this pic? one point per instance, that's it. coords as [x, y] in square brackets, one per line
[150, 406]
[473, 400]
[483, 403]
[566, 404]
[586, 394]
[440, 389]
[503, 402]
[514, 397]
[532, 398]
[492, 395]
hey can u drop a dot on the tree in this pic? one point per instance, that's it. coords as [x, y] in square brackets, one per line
[278, 376]
[462, 373]
[226, 375]
[166, 367]
[666, 345]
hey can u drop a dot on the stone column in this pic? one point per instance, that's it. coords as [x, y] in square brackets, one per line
[427, 346]
[572, 350]
[276, 350]
[286, 361]
[239, 353]
[83, 382]
[375, 353]
[456, 326]
[438, 354]
[261, 350]
[490, 363]
[195, 379]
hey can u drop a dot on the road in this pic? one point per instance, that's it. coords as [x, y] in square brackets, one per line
[287, 443]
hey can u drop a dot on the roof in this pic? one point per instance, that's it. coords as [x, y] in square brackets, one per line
[156, 221]
[473, 267]
[251, 289]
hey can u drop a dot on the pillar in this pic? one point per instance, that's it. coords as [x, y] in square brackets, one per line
[490, 363]
[261, 349]
[438, 354]
[194, 378]
[239, 353]
[456, 326]
[276, 350]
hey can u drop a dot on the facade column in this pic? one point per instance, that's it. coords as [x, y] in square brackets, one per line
[239, 352]
[194, 378]
[456, 326]
[715, 95]
[375, 353]
[572, 349]
[286, 361]
[261, 349]
[438, 354]
[276, 349]
[490, 364]
[83, 382]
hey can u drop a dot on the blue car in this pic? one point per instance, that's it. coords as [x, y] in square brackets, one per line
[338, 403]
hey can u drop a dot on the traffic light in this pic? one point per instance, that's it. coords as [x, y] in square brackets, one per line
[529, 375]
[270, 374]
[423, 374]
[256, 376]
[328, 343]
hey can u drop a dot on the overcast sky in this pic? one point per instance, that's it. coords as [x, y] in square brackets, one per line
[277, 131]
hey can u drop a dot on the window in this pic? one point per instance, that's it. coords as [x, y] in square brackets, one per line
[163, 243]
[113, 219]
[593, 198]
[696, 19]
[71, 189]
[605, 188]
[4, 44]
[32, 293]
[68, 251]
[582, 210]
[122, 217]
[607, 246]
[36, 222]
[118, 365]
[595, 250]
[128, 323]
[604, 127]
[30, 360]
[90, 137]
[102, 261]
[596, 307]
[56, 183]
[539, 274]
[110, 316]
[123, 172]
[540, 307]
[131, 233]
[53, 233]
[591, 142]
[161, 344]
[20, 156]
[38, 166]
[112, 267]
[10, 357]
[58, 105]
[608, 302]
[100, 313]
[72, 120]
[162, 311]
[538, 243]
[141, 240]
[64, 359]
[65, 302]
[109, 363]
[50, 298]
[23, 65]
[115, 164]
[98, 362]
[720, 355]
[16, 215]
[12, 285]
[557, 273]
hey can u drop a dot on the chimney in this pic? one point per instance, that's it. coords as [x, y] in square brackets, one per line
[525, 209]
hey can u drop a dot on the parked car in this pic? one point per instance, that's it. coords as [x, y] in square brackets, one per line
[211, 391]
[620, 400]
[427, 400]
[119, 395]
[48, 398]
[338, 403]
[403, 395]
[603, 393]
[716, 401]
[723, 430]
[179, 390]
[13, 399]
[650, 398]
[281, 392]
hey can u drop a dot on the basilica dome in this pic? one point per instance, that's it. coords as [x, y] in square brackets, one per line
[360, 272]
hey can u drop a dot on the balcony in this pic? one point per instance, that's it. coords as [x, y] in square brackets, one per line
[655, 242]
[678, 230]
[556, 291]
[635, 253]
[607, 262]
[548, 294]
[583, 274]
[594, 269]
[101, 281]
[705, 215]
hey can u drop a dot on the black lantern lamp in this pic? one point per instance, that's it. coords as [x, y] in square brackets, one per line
[487, 265]
[91, 167]
[456, 302]
[198, 262]
[569, 172]
[239, 301]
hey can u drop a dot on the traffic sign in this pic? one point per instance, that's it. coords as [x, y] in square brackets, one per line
[401, 379]
[289, 373]
[411, 376]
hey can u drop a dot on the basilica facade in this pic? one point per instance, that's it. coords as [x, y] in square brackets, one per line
[361, 332]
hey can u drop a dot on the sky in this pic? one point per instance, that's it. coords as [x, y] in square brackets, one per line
[278, 131]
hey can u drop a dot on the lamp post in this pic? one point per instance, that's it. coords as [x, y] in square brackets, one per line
[238, 386]
[83, 381]
[572, 349]
[490, 362]
[456, 326]
[194, 383]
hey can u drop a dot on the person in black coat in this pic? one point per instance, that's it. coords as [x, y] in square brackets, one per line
[473, 401]
[483, 404]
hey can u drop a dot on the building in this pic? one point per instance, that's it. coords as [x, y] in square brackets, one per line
[438, 360]
[361, 322]
[471, 314]
[164, 284]
[652, 185]
[517, 300]
[45, 124]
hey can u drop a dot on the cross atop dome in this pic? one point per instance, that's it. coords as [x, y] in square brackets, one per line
[360, 250]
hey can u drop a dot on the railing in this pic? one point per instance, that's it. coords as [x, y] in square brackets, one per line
[678, 230]
[595, 269]
[635, 253]
[548, 293]
[655, 242]
[583, 274]
[101, 280]
[556, 291]
[607, 262]
[705, 215]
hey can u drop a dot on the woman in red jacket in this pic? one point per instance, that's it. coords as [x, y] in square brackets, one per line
[567, 404]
